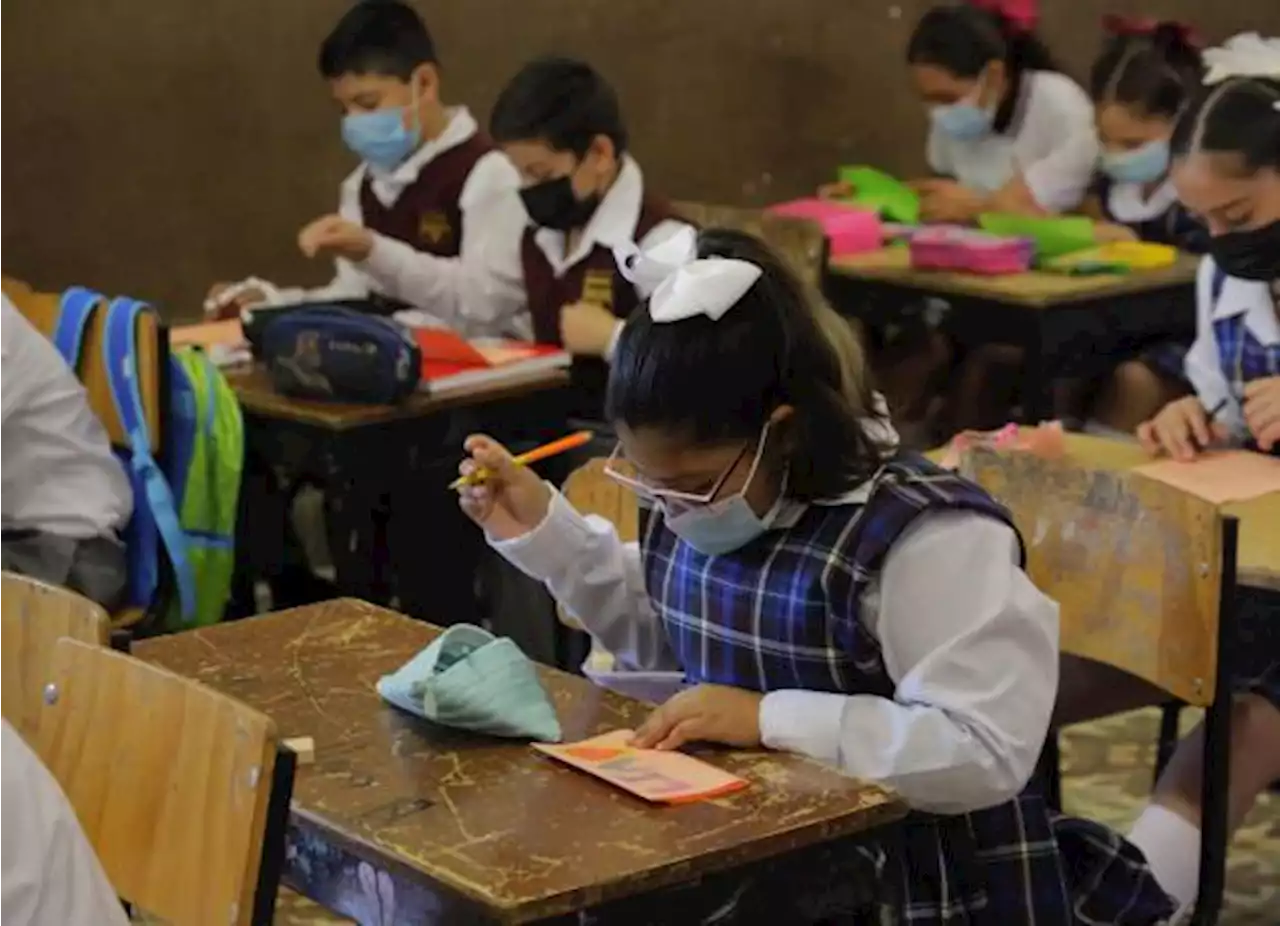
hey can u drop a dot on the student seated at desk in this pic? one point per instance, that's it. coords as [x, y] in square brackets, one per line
[65, 495]
[426, 215]
[825, 594]
[1226, 166]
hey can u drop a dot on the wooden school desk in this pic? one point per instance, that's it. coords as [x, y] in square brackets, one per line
[1068, 325]
[468, 829]
[359, 453]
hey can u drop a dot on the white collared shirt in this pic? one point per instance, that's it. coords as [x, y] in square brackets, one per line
[1203, 364]
[1131, 204]
[970, 643]
[1052, 142]
[51, 875]
[59, 474]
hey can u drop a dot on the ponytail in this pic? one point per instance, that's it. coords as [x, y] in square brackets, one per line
[963, 39]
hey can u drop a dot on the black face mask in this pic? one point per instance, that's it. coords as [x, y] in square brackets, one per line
[552, 204]
[1249, 255]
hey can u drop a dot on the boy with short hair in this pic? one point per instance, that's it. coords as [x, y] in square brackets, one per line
[426, 217]
[65, 495]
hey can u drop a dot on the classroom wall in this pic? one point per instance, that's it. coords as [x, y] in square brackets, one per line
[156, 147]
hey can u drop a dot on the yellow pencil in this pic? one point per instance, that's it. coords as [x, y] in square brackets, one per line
[552, 449]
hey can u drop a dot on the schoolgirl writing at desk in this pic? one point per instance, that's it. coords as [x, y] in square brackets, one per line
[823, 594]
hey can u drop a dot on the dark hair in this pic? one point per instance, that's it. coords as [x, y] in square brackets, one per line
[377, 37]
[1238, 116]
[560, 101]
[962, 39]
[721, 380]
[1154, 72]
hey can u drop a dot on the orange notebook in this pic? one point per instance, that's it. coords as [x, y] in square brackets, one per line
[656, 776]
[451, 362]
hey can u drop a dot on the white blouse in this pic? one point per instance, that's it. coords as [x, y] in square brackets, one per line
[970, 643]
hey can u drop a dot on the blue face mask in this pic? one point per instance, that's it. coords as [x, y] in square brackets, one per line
[1141, 165]
[726, 525]
[962, 121]
[380, 138]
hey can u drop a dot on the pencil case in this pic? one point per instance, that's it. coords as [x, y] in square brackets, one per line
[848, 229]
[967, 251]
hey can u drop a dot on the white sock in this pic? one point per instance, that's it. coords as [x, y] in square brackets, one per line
[1172, 847]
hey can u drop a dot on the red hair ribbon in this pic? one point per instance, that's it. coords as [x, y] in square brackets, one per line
[1021, 14]
[1116, 24]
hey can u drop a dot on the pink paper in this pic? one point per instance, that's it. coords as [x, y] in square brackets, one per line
[1047, 440]
[1220, 476]
[850, 230]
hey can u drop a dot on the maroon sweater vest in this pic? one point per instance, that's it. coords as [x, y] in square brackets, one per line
[595, 278]
[426, 215]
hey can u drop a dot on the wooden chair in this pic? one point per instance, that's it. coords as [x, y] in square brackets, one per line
[182, 791]
[35, 616]
[591, 491]
[42, 309]
[1144, 575]
[801, 241]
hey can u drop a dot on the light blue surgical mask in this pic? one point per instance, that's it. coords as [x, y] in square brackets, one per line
[964, 120]
[727, 524]
[1141, 165]
[380, 137]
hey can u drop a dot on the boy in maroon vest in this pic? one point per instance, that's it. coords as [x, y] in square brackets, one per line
[430, 217]
[559, 122]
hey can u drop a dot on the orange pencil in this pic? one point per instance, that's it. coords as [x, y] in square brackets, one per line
[556, 447]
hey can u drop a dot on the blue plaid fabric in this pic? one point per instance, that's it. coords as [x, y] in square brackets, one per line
[783, 613]
[1243, 356]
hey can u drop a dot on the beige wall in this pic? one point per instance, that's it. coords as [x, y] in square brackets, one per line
[153, 146]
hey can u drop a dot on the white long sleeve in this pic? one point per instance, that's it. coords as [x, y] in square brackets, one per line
[972, 647]
[598, 579]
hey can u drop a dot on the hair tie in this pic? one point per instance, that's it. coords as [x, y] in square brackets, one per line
[679, 284]
[1021, 15]
[1147, 26]
[1244, 55]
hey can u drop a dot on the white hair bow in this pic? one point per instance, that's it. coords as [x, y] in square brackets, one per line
[1244, 55]
[679, 284]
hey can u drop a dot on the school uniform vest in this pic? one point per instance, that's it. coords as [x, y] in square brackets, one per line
[776, 615]
[1241, 355]
[595, 278]
[1176, 226]
[426, 215]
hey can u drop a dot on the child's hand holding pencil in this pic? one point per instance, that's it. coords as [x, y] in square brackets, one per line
[499, 492]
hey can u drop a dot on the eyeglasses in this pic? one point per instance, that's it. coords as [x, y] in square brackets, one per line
[654, 493]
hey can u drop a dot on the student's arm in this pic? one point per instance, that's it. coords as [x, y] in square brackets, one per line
[51, 875]
[972, 647]
[1203, 366]
[481, 291]
[598, 579]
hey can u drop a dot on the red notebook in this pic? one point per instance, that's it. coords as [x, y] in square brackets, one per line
[451, 362]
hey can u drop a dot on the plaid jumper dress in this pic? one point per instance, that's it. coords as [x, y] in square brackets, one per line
[782, 613]
[1256, 659]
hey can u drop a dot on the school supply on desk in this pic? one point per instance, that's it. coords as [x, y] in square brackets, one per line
[1115, 257]
[224, 341]
[256, 319]
[451, 363]
[1052, 235]
[884, 194]
[660, 777]
[849, 230]
[471, 680]
[1220, 476]
[1046, 440]
[336, 354]
[650, 687]
[555, 448]
[964, 250]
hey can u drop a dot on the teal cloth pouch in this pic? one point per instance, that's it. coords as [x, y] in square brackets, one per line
[469, 679]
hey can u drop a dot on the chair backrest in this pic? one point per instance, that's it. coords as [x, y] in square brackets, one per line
[801, 242]
[170, 780]
[42, 310]
[1135, 565]
[34, 616]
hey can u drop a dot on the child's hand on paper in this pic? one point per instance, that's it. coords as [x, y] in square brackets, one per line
[1262, 411]
[1181, 429]
[1110, 232]
[587, 329]
[946, 201]
[706, 713]
[512, 501]
[337, 237]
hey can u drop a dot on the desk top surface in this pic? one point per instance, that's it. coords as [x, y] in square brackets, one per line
[252, 385]
[493, 819]
[1034, 289]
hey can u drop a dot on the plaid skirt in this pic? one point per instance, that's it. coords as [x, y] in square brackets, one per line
[1018, 864]
[1256, 654]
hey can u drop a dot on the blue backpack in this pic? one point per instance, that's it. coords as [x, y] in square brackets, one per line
[165, 498]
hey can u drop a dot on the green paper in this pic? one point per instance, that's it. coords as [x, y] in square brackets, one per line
[874, 189]
[1053, 235]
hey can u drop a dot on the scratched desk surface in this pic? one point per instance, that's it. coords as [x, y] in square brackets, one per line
[497, 823]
